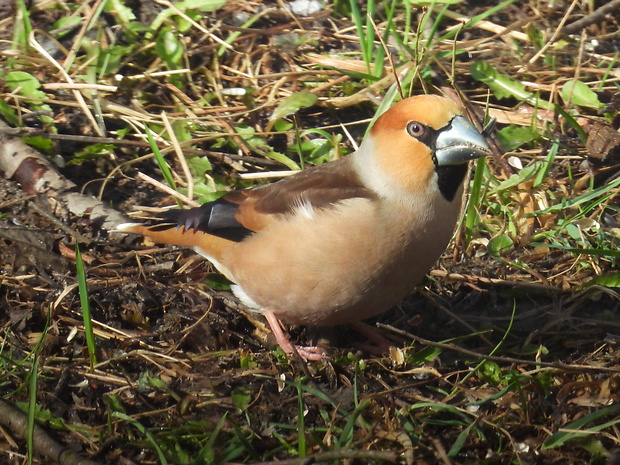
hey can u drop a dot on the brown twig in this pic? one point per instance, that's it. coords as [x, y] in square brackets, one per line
[343, 454]
[44, 445]
[389, 57]
[596, 16]
[494, 358]
[441, 451]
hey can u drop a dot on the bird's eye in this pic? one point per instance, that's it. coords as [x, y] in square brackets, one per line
[416, 129]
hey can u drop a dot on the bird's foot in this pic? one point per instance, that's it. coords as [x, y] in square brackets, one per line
[307, 353]
[380, 345]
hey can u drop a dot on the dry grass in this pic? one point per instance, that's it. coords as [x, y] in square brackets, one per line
[507, 354]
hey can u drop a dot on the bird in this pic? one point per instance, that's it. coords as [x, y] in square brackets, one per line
[342, 241]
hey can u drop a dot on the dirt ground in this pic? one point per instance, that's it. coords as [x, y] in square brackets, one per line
[496, 358]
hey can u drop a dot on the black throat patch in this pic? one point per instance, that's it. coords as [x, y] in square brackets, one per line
[450, 178]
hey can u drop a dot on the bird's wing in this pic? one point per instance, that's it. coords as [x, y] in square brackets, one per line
[241, 213]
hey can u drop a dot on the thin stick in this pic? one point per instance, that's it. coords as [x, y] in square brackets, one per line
[389, 57]
[555, 35]
[180, 156]
[76, 93]
[596, 16]
[168, 190]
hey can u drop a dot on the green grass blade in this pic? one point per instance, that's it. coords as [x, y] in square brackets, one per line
[359, 24]
[22, 27]
[436, 23]
[84, 301]
[233, 36]
[32, 406]
[475, 197]
[161, 162]
[140, 427]
[572, 123]
[159, 158]
[544, 172]
[581, 251]
[346, 437]
[603, 191]
[561, 437]
[385, 104]
[458, 444]
[480, 17]
[301, 423]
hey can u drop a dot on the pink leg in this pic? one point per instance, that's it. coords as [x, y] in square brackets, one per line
[306, 353]
[382, 345]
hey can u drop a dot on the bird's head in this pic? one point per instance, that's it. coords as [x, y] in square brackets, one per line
[419, 143]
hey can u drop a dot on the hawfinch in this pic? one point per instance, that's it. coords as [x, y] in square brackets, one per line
[345, 240]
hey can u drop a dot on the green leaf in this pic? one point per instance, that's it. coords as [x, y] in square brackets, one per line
[490, 372]
[573, 231]
[472, 218]
[111, 58]
[29, 85]
[441, 407]
[64, 26]
[32, 404]
[293, 104]
[346, 435]
[280, 157]
[137, 28]
[205, 6]
[174, 451]
[572, 122]
[578, 93]
[315, 150]
[500, 244]
[169, 47]
[161, 161]
[200, 5]
[526, 173]
[261, 147]
[120, 11]
[207, 453]
[200, 165]
[217, 282]
[501, 85]
[40, 143]
[542, 174]
[512, 137]
[536, 36]
[283, 125]
[611, 279]
[425, 355]
[7, 113]
[241, 398]
[92, 152]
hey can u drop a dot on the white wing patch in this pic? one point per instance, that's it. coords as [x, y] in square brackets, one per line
[221, 268]
[305, 209]
[244, 298]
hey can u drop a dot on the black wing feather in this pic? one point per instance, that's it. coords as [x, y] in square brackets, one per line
[216, 217]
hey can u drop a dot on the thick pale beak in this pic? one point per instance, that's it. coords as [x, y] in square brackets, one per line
[460, 142]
